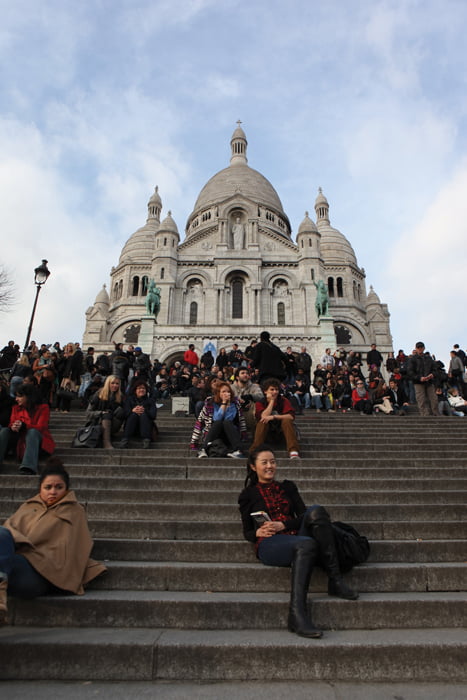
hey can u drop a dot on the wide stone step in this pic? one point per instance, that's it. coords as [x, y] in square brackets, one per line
[207, 497]
[238, 551]
[43, 653]
[252, 576]
[339, 511]
[248, 611]
[220, 483]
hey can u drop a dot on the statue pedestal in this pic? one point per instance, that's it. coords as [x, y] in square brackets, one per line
[326, 331]
[146, 334]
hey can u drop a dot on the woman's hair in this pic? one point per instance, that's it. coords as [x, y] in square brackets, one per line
[140, 382]
[69, 346]
[104, 393]
[251, 476]
[54, 467]
[217, 391]
[32, 395]
[24, 360]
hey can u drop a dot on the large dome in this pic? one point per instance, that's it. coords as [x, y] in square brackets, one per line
[238, 178]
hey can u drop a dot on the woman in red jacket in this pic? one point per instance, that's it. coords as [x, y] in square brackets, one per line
[28, 430]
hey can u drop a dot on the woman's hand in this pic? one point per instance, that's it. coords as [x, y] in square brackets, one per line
[270, 528]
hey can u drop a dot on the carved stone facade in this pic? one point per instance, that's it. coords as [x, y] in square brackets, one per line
[236, 273]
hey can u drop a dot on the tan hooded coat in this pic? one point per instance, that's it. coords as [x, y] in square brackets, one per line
[56, 541]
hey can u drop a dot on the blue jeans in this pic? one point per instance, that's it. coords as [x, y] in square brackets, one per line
[33, 444]
[278, 550]
[23, 580]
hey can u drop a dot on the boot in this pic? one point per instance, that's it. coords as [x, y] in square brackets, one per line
[302, 567]
[319, 524]
[3, 597]
[106, 434]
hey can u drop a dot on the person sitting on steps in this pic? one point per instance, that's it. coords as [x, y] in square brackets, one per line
[290, 535]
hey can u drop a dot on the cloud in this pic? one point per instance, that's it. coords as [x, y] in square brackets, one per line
[426, 270]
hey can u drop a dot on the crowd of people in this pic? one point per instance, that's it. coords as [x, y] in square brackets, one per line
[238, 398]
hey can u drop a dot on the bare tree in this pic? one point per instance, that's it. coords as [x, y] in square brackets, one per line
[7, 295]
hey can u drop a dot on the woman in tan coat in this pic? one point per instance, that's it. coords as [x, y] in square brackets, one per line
[45, 545]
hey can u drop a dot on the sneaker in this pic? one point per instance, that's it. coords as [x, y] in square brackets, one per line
[236, 455]
[294, 455]
[202, 453]
[123, 444]
[146, 444]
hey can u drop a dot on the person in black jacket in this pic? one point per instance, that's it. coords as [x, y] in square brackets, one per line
[140, 412]
[422, 371]
[289, 534]
[269, 359]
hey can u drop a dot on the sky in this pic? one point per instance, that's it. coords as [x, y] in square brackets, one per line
[102, 100]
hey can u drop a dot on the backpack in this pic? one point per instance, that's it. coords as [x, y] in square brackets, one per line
[217, 448]
[352, 548]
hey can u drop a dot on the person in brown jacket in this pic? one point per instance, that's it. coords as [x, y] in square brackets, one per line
[45, 545]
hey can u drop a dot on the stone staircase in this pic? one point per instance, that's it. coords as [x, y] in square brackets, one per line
[186, 600]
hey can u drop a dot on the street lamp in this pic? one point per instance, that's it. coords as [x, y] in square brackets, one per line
[41, 275]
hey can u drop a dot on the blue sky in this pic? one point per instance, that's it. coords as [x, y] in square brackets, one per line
[100, 101]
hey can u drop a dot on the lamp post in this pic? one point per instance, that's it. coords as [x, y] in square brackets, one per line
[41, 275]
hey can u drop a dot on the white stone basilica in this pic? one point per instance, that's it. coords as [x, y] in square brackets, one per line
[236, 273]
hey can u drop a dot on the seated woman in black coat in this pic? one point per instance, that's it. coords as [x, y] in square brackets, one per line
[106, 406]
[140, 412]
[289, 534]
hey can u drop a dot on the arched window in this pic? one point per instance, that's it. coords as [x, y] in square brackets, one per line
[354, 289]
[120, 289]
[281, 314]
[135, 289]
[162, 272]
[116, 291]
[331, 286]
[312, 274]
[193, 313]
[144, 286]
[359, 292]
[340, 287]
[343, 335]
[237, 298]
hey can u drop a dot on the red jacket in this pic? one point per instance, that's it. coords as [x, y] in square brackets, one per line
[190, 357]
[39, 420]
[356, 398]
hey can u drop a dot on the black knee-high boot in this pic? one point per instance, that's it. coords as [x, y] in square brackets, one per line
[319, 526]
[302, 567]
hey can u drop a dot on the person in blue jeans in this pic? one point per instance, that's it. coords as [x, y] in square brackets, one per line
[286, 533]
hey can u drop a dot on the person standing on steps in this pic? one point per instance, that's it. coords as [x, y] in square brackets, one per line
[422, 371]
[289, 535]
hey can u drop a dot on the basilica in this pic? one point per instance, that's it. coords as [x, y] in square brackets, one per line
[236, 272]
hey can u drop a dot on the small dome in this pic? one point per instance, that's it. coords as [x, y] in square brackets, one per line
[155, 199]
[335, 248]
[372, 297]
[168, 225]
[140, 245]
[102, 297]
[307, 225]
[321, 199]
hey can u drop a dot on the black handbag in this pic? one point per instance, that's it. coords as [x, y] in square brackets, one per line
[88, 436]
[352, 548]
